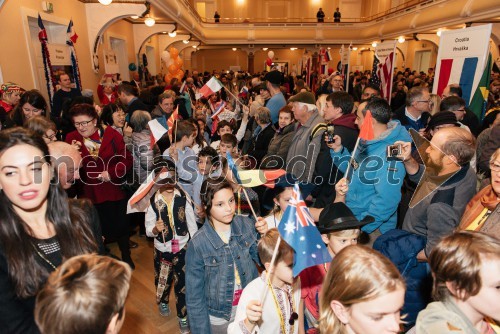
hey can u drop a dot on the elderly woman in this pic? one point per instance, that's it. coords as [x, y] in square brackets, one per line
[262, 135]
[105, 162]
[278, 147]
[31, 104]
[483, 211]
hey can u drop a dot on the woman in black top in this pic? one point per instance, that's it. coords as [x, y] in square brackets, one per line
[39, 228]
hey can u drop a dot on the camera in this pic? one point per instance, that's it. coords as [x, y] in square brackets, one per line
[394, 152]
[329, 134]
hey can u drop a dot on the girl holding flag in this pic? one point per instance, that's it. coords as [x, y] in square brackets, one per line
[220, 260]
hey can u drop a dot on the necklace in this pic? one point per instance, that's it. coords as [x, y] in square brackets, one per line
[43, 257]
[281, 313]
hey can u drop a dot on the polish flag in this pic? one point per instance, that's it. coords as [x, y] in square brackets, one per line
[211, 87]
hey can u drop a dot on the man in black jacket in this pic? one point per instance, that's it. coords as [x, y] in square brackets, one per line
[128, 96]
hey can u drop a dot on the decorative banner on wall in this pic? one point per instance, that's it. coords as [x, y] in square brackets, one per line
[461, 59]
[71, 38]
[59, 54]
[110, 62]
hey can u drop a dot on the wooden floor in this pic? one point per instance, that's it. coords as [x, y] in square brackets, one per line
[142, 315]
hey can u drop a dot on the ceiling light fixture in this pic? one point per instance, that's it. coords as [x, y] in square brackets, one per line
[354, 48]
[135, 17]
[264, 49]
[105, 2]
[401, 39]
[186, 41]
[439, 32]
[293, 49]
[149, 21]
[374, 44]
[172, 33]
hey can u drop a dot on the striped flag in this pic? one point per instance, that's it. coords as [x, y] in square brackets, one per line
[375, 80]
[385, 72]
[211, 87]
[480, 99]
[171, 121]
[71, 41]
[157, 130]
[49, 78]
[218, 109]
[463, 71]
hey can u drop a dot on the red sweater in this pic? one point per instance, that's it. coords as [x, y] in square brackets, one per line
[113, 157]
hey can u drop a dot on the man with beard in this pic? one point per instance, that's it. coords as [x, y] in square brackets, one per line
[446, 187]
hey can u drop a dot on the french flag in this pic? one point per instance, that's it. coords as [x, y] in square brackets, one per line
[463, 71]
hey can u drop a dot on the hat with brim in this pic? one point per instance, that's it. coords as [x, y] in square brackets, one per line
[338, 217]
[442, 118]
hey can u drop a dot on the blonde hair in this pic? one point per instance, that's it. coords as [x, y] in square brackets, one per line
[321, 103]
[436, 100]
[83, 295]
[495, 155]
[267, 244]
[357, 274]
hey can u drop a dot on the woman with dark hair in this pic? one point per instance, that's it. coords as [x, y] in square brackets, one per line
[199, 140]
[31, 104]
[114, 116]
[39, 228]
[105, 162]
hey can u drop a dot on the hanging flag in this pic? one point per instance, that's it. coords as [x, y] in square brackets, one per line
[49, 78]
[298, 230]
[384, 73]
[458, 71]
[157, 130]
[480, 98]
[71, 41]
[345, 56]
[211, 87]
[375, 80]
[254, 177]
[366, 131]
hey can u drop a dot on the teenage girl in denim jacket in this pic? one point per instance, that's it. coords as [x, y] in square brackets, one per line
[219, 261]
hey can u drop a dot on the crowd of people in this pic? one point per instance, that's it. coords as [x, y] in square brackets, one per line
[408, 208]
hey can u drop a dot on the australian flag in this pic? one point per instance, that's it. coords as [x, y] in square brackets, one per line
[375, 80]
[297, 228]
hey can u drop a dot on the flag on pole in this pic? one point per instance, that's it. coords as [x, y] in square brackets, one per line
[480, 98]
[384, 73]
[458, 70]
[375, 80]
[218, 109]
[366, 131]
[171, 120]
[157, 130]
[49, 78]
[211, 87]
[71, 41]
[298, 230]
[254, 177]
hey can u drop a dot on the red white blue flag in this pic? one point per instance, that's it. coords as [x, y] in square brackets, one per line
[460, 71]
[297, 228]
[385, 72]
[71, 41]
[49, 78]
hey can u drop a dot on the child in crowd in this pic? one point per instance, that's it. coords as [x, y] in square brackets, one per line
[466, 271]
[180, 151]
[339, 229]
[208, 166]
[228, 143]
[171, 222]
[281, 196]
[362, 293]
[220, 260]
[281, 310]
[86, 294]
[222, 128]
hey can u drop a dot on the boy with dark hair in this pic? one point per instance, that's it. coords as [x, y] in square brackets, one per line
[228, 143]
[85, 295]
[222, 128]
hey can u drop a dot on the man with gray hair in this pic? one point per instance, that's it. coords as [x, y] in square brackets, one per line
[415, 113]
[66, 160]
[304, 152]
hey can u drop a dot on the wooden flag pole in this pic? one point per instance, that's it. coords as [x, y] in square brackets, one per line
[249, 203]
[270, 271]
[235, 97]
[350, 164]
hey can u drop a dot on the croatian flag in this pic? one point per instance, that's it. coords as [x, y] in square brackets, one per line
[462, 71]
[298, 230]
[211, 87]
[219, 108]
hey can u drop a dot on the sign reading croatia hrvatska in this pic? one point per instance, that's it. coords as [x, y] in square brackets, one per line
[461, 59]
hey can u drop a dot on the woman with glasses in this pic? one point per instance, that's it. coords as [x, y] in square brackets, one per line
[114, 116]
[43, 127]
[483, 211]
[105, 162]
[31, 104]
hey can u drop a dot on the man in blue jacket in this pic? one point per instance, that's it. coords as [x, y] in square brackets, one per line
[375, 188]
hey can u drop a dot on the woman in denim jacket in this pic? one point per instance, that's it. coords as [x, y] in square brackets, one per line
[219, 261]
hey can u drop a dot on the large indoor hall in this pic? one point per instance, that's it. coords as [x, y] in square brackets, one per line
[250, 166]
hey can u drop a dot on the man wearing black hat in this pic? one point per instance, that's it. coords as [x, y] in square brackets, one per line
[277, 101]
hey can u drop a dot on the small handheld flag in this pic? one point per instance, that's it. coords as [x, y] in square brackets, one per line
[366, 131]
[211, 87]
[298, 230]
[157, 130]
